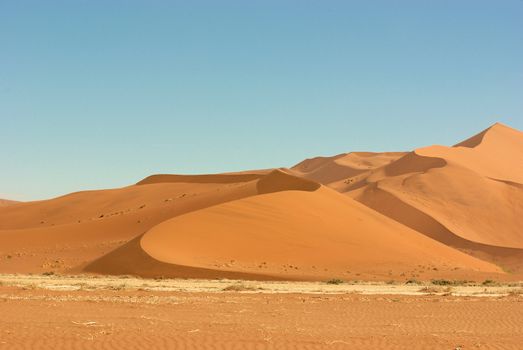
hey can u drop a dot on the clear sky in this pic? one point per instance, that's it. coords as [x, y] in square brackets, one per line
[98, 94]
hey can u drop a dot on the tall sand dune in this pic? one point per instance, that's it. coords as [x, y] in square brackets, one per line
[437, 211]
[469, 196]
[70, 231]
[303, 231]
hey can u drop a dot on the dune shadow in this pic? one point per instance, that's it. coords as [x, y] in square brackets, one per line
[131, 259]
[413, 163]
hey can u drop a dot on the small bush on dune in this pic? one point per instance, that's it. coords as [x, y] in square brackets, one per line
[489, 283]
[118, 287]
[412, 281]
[335, 281]
[442, 282]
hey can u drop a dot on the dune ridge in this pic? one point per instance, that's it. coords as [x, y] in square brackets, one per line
[214, 178]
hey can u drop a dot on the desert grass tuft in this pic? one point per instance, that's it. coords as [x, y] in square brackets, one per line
[335, 281]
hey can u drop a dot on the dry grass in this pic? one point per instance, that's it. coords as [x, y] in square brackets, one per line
[335, 281]
[118, 283]
[516, 292]
[436, 290]
[239, 287]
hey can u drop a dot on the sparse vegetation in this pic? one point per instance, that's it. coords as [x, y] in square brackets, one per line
[48, 273]
[119, 287]
[489, 283]
[434, 290]
[516, 292]
[335, 281]
[413, 281]
[238, 287]
[29, 286]
[443, 282]
[429, 290]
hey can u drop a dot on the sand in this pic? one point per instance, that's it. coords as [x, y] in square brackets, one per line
[6, 202]
[115, 314]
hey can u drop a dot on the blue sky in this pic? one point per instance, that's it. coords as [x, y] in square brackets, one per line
[98, 94]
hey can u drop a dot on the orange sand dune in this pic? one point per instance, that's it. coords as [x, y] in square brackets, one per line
[72, 230]
[6, 202]
[283, 224]
[344, 171]
[307, 232]
[469, 196]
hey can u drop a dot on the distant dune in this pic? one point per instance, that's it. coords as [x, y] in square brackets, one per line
[449, 212]
[469, 196]
[6, 202]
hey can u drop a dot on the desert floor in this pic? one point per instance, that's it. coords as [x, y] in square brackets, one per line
[81, 312]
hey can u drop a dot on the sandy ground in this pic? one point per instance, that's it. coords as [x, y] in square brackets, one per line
[73, 312]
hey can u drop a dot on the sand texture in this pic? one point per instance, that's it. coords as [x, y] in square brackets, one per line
[119, 315]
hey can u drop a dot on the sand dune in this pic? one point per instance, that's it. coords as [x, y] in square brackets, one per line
[70, 231]
[437, 211]
[6, 202]
[469, 196]
[302, 232]
[344, 171]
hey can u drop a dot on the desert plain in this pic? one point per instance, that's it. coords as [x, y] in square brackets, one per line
[394, 250]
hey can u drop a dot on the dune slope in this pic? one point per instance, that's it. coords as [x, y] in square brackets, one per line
[469, 196]
[305, 232]
[68, 232]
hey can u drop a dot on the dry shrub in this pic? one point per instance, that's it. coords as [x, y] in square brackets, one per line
[238, 288]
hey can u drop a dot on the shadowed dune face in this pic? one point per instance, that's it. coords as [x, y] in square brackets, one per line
[413, 163]
[408, 214]
[279, 180]
[131, 259]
